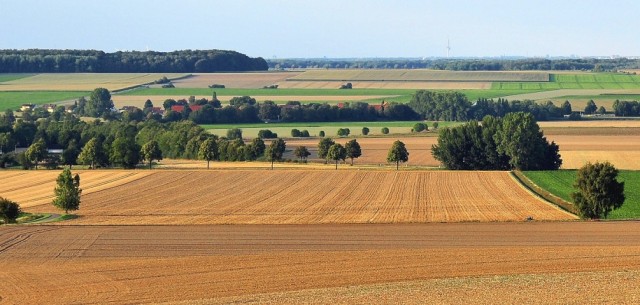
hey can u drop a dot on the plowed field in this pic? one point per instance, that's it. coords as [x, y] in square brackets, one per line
[302, 197]
[426, 263]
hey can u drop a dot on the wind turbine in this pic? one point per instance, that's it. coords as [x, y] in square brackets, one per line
[448, 47]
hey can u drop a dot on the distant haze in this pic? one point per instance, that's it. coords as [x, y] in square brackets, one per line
[328, 28]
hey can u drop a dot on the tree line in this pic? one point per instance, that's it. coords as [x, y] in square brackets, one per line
[72, 61]
[461, 64]
[512, 142]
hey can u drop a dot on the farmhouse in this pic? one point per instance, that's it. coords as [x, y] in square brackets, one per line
[26, 107]
[50, 107]
[180, 108]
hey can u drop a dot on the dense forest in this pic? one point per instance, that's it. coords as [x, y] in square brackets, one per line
[459, 64]
[70, 61]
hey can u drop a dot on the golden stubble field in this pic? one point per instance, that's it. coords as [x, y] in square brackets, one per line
[437, 263]
[83, 81]
[301, 197]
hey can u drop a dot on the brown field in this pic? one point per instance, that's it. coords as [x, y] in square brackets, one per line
[82, 81]
[418, 75]
[303, 197]
[35, 188]
[540, 263]
[592, 124]
[386, 85]
[138, 100]
[234, 80]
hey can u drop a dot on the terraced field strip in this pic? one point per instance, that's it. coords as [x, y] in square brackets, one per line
[442, 85]
[314, 197]
[234, 80]
[419, 75]
[82, 81]
[34, 189]
[312, 263]
[14, 99]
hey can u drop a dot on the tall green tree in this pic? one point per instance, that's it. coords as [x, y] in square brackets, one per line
[598, 191]
[9, 210]
[353, 150]
[336, 152]
[99, 103]
[151, 151]
[208, 150]
[275, 151]
[591, 107]
[37, 152]
[90, 153]
[301, 152]
[398, 153]
[67, 191]
[566, 108]
[71, 153]
[125, 152]
[323, 147]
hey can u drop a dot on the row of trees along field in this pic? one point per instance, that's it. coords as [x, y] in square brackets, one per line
[461, 64]
[454, 106]
[184, 61]
[512, 142]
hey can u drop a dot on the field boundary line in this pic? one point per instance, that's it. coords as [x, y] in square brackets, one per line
[543, 194]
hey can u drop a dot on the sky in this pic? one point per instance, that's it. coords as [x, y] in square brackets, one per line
[329, 28]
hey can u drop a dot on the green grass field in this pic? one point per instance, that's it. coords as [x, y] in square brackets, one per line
[13, 99]
[576, 81]
[560, 183]
[10, 77]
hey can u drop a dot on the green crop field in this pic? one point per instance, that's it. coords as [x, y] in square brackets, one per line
[10, 77]
[576, 81]
[560, 183]
[13, 99]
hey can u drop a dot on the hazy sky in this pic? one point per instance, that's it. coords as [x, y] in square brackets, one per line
[331, 28]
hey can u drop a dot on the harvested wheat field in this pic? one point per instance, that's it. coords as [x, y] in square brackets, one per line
[386, 85]
[310, 197]
[83, 81]
[35, 188]
[234, 80]
[537, 262]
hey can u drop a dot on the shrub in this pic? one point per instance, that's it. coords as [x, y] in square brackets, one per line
[365, 131]
[296, 133]
[169, 85]
[321, 133]
[344, 132]
[385, 130]
[9, 210]
[267, 134]
[419, 127]
[435, 125]
[347, 86]
[305, 133]
[216, 86]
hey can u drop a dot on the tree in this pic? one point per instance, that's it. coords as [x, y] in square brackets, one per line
[601, 110]
[343, 132]
[295, 133]
[419, 127]
[302, 152]
[36, 152]
[90, 153]
[598, 192]
[590, 108]
[275, 151]
[336, 152]
[208, 150]
[151, 151]
[398, 153]
[70, 154]
[234, 133]
[353, 150]
[323, 147]
[9, 210]
[147, 104]
[125, 151]
[365, 131]
[321, 134]
[384, 130]
[67, 191]
[267, 134]
[99, 103]
[566, 108]
[435, 125]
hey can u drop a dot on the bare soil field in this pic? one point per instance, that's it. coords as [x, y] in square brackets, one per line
[386, 85]
[309, 197]
[35, 188]
[418, 75]
[82, 81]
[234, 80]
[548, 262]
